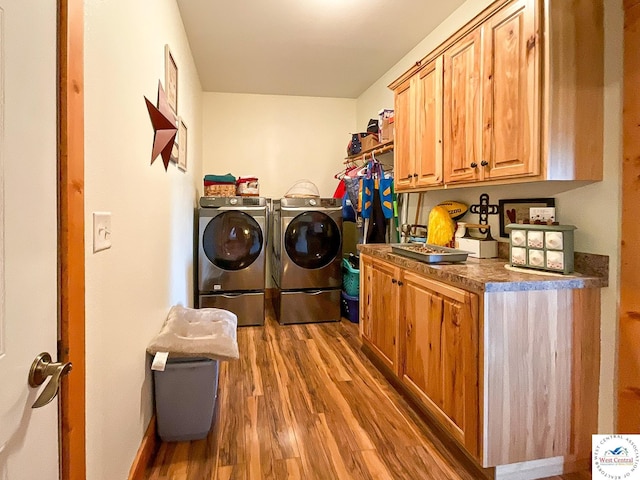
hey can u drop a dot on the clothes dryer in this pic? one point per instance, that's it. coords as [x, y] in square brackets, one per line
[231, 252]
[307, 259]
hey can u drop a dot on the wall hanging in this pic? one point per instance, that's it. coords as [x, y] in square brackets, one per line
[171, 79]
[182, 145]
[515, 210]
[164, 127]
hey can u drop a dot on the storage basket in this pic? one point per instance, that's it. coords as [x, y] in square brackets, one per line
[350, 278]
[247, 187]
[221, 190]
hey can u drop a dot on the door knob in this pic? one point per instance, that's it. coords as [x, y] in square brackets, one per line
[41, 368]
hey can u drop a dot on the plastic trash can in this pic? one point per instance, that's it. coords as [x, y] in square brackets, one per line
[185, 395]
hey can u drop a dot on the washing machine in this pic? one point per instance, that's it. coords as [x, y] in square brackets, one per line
[307, 259]
[232, 238]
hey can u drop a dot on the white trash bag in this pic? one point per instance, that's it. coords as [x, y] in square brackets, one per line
[203, 332]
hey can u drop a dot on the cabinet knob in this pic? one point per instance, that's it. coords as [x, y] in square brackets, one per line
[400, 283]
[393, 280]
[474, 164]
[415, 174]
[484, 163]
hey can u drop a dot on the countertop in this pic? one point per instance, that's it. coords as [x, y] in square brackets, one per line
[491, 275]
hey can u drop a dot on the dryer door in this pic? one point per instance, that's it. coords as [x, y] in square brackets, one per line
[312, 251]
[312, 240]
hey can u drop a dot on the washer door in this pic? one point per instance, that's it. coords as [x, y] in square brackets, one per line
[232, 240]
[312, 240]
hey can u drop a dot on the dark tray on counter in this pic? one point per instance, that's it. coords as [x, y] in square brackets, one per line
[429, 253]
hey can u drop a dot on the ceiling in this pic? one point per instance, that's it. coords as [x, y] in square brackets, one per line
[320, 48]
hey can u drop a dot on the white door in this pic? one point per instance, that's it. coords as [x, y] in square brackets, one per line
[28, 238]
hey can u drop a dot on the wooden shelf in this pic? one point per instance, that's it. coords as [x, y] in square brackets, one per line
[377, 150]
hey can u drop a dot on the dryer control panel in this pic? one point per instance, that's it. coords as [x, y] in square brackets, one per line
[217, 202]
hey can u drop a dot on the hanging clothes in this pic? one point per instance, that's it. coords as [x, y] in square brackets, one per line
[376, 198]
[377, 227]
[340, 190]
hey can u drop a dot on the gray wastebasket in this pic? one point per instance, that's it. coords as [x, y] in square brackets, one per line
[185, 394]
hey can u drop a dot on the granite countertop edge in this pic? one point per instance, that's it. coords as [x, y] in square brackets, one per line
[490, 275]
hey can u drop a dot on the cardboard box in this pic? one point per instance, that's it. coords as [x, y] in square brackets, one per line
[369, 141]
[385, 120]
[478, 248]
[386, 130]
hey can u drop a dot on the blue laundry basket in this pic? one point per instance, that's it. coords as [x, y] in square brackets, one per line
[349, 306]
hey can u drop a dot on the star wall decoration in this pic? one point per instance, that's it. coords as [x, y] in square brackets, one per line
[164, 127]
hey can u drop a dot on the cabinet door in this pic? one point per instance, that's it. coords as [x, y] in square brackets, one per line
[380, 331]
[429, 96]
[404, 136]
[462, 100]
[366, 293]
[511, 88]
[440, 328]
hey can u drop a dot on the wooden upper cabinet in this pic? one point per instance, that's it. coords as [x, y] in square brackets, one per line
[462, 101]
[418, 129]
[428, 142]
[511, 113]
[403, 132]
[522, 98]
[439, 324]
[381, 310]
[492, 98]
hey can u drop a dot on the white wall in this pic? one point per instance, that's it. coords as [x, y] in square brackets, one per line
[594, 209]
[378, 96]
[130, 287]
[279, 139]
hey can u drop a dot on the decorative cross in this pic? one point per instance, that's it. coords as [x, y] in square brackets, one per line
[484, 209]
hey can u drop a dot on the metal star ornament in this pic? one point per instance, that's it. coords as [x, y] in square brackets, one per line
[164, 127]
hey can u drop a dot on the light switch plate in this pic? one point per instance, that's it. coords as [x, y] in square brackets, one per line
[101, 231]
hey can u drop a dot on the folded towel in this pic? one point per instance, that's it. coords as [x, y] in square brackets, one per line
[209, 182]
[228, 178]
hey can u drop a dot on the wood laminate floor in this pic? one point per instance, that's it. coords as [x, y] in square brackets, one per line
[303, 402]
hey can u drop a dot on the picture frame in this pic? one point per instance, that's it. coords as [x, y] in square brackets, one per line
[182, 145]
[171, 79]
[513, 210]
[175, 148]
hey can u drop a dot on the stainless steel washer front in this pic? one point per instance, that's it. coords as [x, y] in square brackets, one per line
[231, 245]
[308, 243]
[248, 306]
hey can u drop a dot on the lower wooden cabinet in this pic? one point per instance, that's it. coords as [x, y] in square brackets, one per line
[426, 333]
[439, 328]
[380, 309]
[508, 374]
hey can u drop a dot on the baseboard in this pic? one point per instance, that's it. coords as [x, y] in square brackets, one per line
[543, 468]
[146, 451]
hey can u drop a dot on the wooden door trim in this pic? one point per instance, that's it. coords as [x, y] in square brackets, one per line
[71, 275]
[628, 385]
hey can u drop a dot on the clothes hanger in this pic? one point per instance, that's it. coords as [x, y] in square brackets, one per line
[341, 174]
